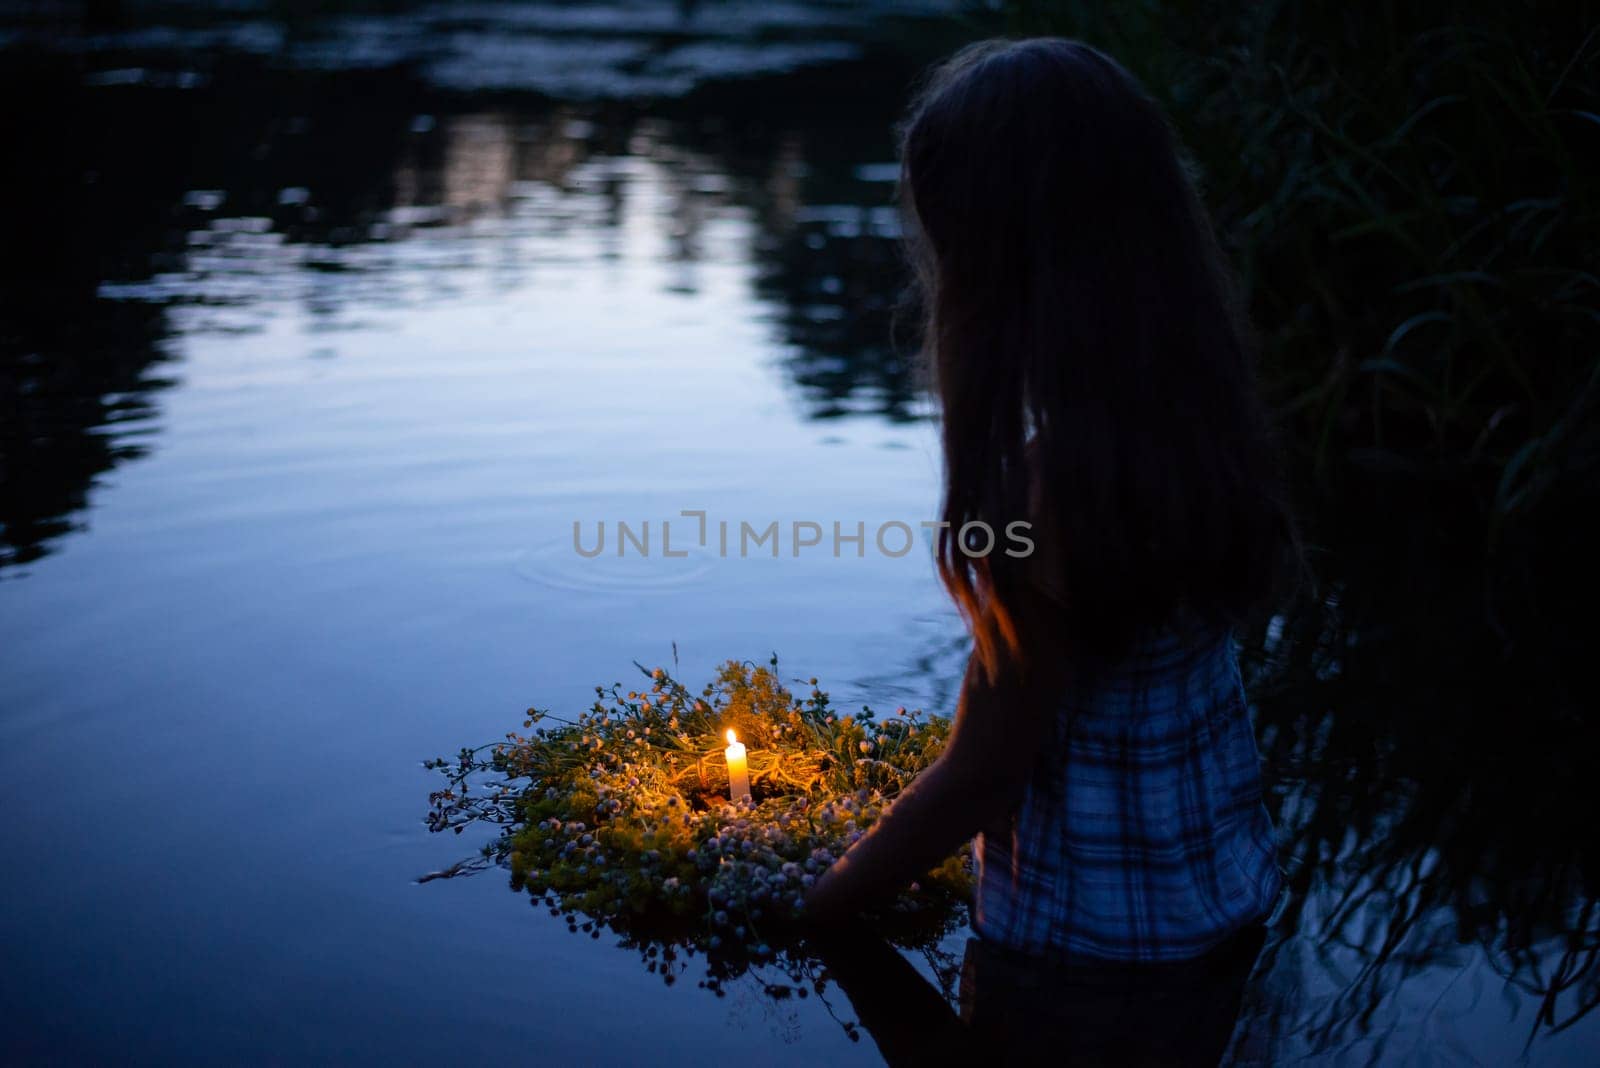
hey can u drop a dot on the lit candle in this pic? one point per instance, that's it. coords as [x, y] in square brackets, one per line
[738, 770]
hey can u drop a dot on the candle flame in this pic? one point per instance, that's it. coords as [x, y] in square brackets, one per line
[732, 738]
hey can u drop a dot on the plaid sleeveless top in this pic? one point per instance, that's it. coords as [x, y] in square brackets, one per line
[1142, 835]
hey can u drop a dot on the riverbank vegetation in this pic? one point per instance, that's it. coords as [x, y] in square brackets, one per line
[1410, 197]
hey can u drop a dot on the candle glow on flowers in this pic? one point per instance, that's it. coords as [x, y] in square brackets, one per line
[618, 818]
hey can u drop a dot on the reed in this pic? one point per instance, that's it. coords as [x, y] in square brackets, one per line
[1409, 195]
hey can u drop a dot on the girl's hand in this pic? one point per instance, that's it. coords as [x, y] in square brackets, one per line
[976, 782]
[823, 906]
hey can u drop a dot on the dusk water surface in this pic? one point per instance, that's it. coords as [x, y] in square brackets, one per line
[353, 326]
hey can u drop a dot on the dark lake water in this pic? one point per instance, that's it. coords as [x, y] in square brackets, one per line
[322, 334]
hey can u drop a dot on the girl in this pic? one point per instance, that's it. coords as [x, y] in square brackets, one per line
[1094, 382]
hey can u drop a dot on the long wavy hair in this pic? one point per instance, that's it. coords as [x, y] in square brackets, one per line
[1089, 357]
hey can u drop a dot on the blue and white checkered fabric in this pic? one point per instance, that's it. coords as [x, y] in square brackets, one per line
[1142, 835]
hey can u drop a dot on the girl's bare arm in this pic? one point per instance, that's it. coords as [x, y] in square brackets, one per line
[999, 727]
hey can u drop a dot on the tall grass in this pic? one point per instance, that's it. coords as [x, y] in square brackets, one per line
[1409, 192]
